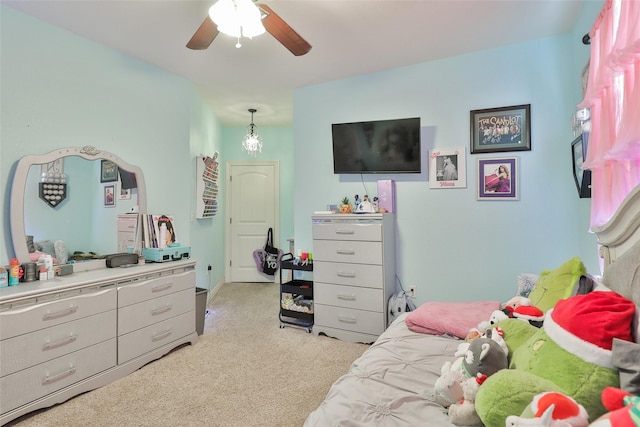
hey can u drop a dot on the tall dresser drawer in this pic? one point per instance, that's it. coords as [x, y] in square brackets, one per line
[159, 286]
[367, 322]
[32, 317]
[347, 230]
[28, 350]
[348, 296]
[143, 314]
[144, 340]
[366, 275]
[347, 251]
[46, 378]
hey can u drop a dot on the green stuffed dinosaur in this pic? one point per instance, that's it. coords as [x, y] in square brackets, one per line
[570, 354]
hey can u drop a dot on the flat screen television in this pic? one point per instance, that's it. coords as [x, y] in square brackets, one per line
[381, 146]
[582, 177]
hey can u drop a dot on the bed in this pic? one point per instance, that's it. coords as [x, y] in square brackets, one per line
[392, 383]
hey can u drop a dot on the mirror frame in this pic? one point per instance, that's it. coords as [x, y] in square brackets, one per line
[19, 187]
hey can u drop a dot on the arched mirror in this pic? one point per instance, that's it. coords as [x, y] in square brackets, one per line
[89, 189]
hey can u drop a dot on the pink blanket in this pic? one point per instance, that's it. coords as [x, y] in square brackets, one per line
[453, 318]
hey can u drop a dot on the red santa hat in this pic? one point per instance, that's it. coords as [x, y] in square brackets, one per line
[585, 325]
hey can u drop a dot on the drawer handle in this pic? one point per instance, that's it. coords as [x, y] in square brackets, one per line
[161, 288]
[161, 335]
[345, 297]
[350, 275]
[345, 232]
[57, 377]
[345, 319]
[345, 251]
[161, 310]
[56, 314]
[59, 343]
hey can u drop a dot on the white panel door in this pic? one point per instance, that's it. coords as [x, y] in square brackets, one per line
[253, 200]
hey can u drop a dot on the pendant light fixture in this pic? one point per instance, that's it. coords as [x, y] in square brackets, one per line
[252, 142]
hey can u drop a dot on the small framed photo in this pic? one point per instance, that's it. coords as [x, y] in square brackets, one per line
[108, 171]
[125, 194]
[109, 196]
[447, 168]
[501, 129]
[498, 179]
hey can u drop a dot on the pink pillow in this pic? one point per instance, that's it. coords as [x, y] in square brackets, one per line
[453, 318]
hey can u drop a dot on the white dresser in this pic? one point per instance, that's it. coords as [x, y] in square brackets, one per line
[354, 274]
[72, 334]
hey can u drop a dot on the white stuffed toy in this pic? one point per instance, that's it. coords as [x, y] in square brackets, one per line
[448, 387]
[464, 412]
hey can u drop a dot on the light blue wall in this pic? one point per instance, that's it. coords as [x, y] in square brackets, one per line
[72, 92]
[450, 245]
[61, 90]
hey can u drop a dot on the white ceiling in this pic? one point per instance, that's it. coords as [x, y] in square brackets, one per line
[349, 37]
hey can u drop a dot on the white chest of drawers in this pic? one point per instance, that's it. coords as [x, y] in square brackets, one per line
[63, 337]
[354, 274]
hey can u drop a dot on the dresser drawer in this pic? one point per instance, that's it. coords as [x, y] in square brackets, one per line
[347, 231]
[33, 317]
[366, 275]
[145, 313]
[347, 251]
[27, 385]
[158, 286]
[348, 296]
[367, 322]
[126, 223]
[147, 339]
[45, 344]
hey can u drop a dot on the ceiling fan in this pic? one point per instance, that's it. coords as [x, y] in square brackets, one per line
[276, 26]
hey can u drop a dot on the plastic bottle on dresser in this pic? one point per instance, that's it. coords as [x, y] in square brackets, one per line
[14, 272]
[163, 236]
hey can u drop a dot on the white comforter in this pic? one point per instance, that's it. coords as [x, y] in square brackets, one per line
[391, 384]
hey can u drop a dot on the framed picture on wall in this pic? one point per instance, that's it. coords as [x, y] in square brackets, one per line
[498, 179]
[108, 171]
[501, 129]
[582, 177]
[447, 168]
[109, 196]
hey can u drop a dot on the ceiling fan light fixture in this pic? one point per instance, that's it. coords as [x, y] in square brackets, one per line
[252, 142]
[237, 17]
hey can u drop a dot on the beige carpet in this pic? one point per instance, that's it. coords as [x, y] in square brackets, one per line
[244, 371]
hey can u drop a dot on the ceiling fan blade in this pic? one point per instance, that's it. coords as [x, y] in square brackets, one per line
[204, 35]
[283, 32]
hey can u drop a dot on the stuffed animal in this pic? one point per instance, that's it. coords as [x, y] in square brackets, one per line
[463, 413]
[624, 409]
[448, 387]
[551, 409]
[570, 354]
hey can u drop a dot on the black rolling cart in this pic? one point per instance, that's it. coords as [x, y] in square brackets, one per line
[296, 296]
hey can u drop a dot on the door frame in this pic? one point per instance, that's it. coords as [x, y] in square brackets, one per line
[229, 164]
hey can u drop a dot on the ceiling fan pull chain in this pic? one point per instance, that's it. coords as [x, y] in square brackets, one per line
[238, 45]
